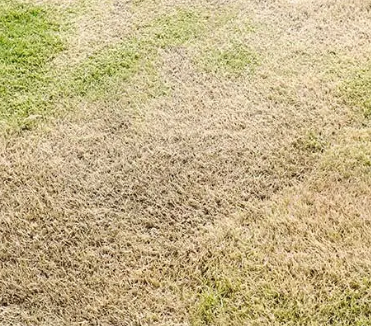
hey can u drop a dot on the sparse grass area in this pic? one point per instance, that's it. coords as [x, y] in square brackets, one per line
[204, 171]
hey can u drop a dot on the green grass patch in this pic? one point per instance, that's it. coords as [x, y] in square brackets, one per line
[104, 70]
[29, 40]
[358, 91]
[214, 300]
[233, 61]
[351, 160]
[128, 69]
[271, 300]
[312, 142]
[225, 52]
[176, 28]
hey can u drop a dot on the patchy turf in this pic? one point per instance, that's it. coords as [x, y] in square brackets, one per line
[281, 264]
[201, 169]
[107, 71]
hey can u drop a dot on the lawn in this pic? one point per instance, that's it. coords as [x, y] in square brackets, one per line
[185, 163]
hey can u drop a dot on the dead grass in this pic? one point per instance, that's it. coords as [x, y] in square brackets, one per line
[220, 201]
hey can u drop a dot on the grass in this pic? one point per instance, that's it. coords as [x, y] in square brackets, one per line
[274, 301]
[29, 40]
[233, 61]
[99, 73]
[114, 67]
[32, 41]
[312, 141]
[227, 54]
[292, 268]
[358, 93]
[202, 169]
[177, 28]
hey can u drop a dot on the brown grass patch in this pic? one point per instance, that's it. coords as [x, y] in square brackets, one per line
[225, 202]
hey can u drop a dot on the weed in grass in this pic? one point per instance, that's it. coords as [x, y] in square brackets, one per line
[28, 42]
[210, 301]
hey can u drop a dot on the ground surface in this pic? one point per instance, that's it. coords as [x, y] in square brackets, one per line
[185, 162]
